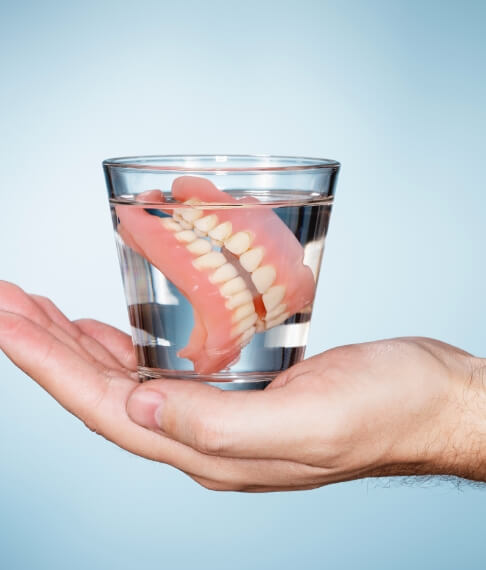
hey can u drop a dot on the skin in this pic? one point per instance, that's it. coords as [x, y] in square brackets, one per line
[409, 406]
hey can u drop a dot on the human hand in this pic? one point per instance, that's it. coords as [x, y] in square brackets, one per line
[403, 406]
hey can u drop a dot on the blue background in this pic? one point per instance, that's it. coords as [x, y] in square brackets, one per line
[394, 90]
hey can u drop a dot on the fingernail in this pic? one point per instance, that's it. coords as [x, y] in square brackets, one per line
[144, 407]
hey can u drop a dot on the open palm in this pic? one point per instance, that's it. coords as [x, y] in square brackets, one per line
[387, 407]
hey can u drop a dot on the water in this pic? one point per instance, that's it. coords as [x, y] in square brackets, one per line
[162, 317]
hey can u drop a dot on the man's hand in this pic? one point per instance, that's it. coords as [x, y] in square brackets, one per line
[403, 406]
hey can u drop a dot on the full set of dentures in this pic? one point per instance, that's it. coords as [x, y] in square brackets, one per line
[240, 267]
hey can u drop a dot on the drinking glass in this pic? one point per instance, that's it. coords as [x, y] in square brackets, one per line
[220, 257]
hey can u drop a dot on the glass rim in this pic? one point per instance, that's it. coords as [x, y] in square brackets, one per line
[288, 163]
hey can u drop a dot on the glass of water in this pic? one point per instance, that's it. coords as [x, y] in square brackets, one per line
[220, 257]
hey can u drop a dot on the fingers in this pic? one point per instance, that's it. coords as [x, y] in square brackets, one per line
[44, 312]
[267, 424]
[115, 341]
[75, 382]
[14, 300]
[84, 342]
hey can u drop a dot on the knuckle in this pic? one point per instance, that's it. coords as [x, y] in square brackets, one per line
[209, 436]
[43, 299]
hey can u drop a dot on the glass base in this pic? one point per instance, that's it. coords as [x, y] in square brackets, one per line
[222, 380]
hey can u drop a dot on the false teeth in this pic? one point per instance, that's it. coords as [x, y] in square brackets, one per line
[239, 299]
[243, 311]
[247, 336]
[221, 232]
[170, 224]
[185, 236]
[233, 286]
[263, 277]
[238, 243]
[251, 259]
[273, 297]
[271, 315]
[277, 321]
[206, 224]
[210, 260]
[199, 246]
[191, 214]
[223, 273]
[244, 324]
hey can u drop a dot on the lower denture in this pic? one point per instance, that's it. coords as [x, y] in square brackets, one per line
[216, 283]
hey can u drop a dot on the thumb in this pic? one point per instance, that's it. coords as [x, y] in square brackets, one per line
[216, 422]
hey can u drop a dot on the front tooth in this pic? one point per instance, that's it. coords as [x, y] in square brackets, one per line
[186, 236]
[210, 260]
[191, 214]
[252, 258]
[247, 336]
[263, 277]
[170, 224]
[206, 224]
[277, 321]
[243, 311]
[239, 299]
[244, 324]
[232, 287]
[221, 232]
[238, 243]
[274, 313]
[199, 246]
[273, 297]
[223, 273]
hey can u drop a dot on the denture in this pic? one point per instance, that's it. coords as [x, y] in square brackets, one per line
[240, 267]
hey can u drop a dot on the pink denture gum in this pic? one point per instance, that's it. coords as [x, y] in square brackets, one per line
[240, 267]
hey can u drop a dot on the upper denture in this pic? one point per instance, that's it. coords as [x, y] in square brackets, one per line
[254, 279]
[264, 245]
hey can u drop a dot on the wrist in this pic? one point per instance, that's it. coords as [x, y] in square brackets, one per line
[445, 432]
[466, 449]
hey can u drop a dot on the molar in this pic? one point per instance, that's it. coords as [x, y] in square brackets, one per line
[223, 273]
[221, 232]
[238, 243]
[263, 277]
[243, 311]
[186, 236]
[239, 299]
[210, 260]
[199, 246]
[246, 337]
[233, 286]
[274, 313]
[206, 224]
[273, 297]
[170, 224]
[277, 321]
[191, 214]
[252, 258]
[244, 324]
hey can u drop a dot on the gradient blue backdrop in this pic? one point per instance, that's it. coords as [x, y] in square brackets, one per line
[394, 90]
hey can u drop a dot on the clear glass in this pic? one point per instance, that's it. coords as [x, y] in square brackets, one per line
[220, 257]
